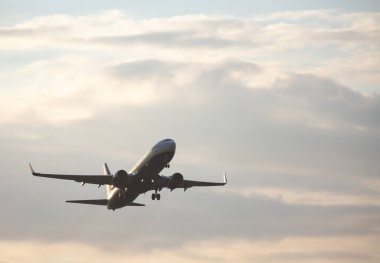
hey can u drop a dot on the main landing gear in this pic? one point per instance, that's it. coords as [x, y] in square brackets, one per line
[155, 196]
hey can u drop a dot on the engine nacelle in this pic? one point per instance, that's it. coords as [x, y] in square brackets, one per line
[175, 180]
[119, 179]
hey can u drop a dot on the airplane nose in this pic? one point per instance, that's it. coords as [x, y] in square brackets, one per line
[169, 144]
[172, 145]
[165, 145]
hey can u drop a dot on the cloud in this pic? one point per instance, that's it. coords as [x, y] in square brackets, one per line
[345, 36]
[309, 197]
[167, 39]
[335, 102]
[349, 249]
[281, 102]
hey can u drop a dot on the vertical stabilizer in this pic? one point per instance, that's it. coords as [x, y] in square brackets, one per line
[107, 172]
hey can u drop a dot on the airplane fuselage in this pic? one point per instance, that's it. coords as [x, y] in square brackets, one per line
[145, 174]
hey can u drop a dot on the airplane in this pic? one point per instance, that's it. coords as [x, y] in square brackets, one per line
[124, 187]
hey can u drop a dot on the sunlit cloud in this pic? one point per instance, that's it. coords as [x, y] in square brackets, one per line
[329, 47]
[84, 46]
[326, 249]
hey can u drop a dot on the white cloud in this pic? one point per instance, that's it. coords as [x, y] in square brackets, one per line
[281, 39]
[279, 46]
[319, 15]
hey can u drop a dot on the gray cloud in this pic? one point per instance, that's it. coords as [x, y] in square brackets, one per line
[233, 128]
[333, 101]
[236, 117]
[300, 134]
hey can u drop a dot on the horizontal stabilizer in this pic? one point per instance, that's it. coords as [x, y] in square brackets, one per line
[90, 202]
[135, 204]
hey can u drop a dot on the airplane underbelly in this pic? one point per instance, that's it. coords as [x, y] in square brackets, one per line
[118, 200]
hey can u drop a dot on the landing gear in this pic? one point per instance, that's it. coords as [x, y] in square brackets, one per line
[155, 196]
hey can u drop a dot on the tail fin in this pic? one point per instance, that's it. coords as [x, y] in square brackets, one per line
[107, 172]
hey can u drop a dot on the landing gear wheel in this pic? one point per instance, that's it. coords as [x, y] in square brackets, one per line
[153, 196]
[158, 197]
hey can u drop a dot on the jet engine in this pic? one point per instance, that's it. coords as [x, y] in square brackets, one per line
[175, 180]
[119, 179]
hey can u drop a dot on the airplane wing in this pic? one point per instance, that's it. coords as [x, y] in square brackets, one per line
[190, 183]
[85, 179]
[185, 184]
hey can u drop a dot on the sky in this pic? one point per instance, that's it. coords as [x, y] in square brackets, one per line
[283, 96]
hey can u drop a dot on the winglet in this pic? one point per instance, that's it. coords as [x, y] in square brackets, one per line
[31, 169]
[225, 178]
[106, 169]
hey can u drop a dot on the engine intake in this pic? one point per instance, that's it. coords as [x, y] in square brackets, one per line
[119, 179]
[175, 180]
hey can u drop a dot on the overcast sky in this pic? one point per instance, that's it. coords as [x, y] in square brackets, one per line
[282, 95]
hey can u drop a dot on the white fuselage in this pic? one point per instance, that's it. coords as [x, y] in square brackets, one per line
[162, 147]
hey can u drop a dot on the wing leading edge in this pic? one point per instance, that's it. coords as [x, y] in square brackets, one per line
[87, 179]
